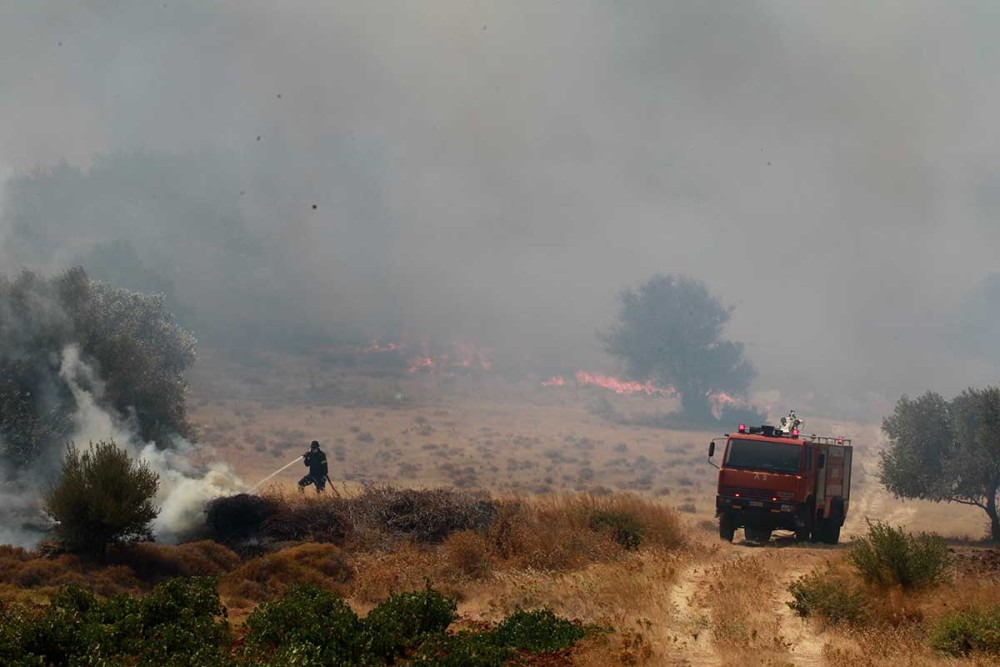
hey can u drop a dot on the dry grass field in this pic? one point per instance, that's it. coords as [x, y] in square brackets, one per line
[550, 457]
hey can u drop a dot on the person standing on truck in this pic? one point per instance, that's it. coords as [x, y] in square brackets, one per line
[315, 460]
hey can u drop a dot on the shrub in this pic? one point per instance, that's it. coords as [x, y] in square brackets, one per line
[828, 596]
[154, 562]
[102, 497]
[466, 649]
[624, 528]
[970, 631]
[234, 518]
[267, 577]
[315, 622]
[319, 520]
[539, 630]
[468, 552]
[424, 515]
[404, 619]
[888, 556]
[178, 623]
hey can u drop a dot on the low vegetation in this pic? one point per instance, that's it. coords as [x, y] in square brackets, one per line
[183, 622]
[889, 556]
[102, 498]
[970, 631]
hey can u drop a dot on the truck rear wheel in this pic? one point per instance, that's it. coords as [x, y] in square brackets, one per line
[727, 528]
[832, 533]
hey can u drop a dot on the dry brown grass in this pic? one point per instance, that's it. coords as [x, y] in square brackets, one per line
[741, 596]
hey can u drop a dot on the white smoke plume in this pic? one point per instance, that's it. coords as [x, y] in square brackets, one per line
[185, 487]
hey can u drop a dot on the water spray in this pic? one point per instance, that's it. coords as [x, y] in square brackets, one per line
[281, 469]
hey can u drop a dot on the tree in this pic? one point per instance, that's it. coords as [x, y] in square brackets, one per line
[946, 450]
[670, 331]
[102, 497]
[138, 355]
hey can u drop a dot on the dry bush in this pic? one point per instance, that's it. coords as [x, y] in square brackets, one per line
[469, 552]
[234, 518]
[45, 572]
[308, 520]
[660, 525]
[270, 576]
[406, 569]
[551, 534]
[424, 515]
[155, 562]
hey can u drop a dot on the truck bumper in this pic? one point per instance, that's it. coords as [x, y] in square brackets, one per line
[760, 513]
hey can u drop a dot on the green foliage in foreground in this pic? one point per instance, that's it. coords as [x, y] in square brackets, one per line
[888, 556]
[827, 596]
[970, 631]
[183, 622]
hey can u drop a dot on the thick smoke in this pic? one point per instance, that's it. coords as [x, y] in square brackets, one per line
[497, 171]
[184, 490]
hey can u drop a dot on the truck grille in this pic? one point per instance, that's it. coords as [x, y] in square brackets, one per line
[760, 494]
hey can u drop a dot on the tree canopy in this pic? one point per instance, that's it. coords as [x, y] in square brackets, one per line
[947, 451]
[138, 355]
[102, 497]
[670, 330]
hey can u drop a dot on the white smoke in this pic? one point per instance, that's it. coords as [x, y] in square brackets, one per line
[185, 487]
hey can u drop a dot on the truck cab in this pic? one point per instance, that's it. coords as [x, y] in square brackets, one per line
[772, 478]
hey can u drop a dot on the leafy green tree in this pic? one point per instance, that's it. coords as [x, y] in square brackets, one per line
[670, 331]
[946, 450]
[102, 497]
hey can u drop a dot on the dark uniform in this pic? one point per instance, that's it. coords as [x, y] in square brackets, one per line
[315, 460]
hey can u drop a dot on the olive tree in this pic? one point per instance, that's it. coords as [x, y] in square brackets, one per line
[669, 330]
[102, 497]
[946, 451]
[129, 339]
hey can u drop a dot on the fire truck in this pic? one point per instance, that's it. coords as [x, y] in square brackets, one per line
[773, 478]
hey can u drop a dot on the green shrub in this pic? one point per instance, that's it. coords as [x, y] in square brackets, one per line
[827, 596]
[317, 622]
[403, 619]
[178, 623]
[102, 497]
[971, 631]
[625, 528]
[182, 621]
[539, 630]
[466, 649]
[888, 556]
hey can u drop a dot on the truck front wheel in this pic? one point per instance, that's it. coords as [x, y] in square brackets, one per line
[727, 528]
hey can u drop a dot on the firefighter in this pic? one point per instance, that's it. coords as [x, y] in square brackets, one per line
[315, 460]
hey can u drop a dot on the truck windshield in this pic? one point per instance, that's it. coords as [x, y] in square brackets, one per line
[757, 455]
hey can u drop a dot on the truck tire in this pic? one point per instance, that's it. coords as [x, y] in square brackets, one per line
[818, 533]
[802, 534]
[832, 533]
[727, 528]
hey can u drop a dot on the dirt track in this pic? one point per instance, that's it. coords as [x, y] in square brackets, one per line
[777, 635]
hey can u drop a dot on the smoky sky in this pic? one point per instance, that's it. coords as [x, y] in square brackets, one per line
[499, 171]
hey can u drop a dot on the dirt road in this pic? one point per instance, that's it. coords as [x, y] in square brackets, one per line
[731, 605]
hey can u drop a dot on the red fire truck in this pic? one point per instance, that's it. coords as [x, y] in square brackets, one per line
[773, 478]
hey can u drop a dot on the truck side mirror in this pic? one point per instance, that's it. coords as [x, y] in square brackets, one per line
[711, 452]
[821, 463]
